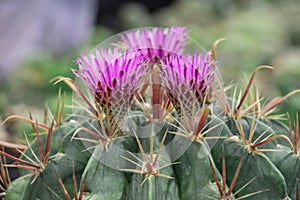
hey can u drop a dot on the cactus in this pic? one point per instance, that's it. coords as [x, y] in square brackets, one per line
[152, 120]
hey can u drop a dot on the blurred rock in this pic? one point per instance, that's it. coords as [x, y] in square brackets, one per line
[32, 26]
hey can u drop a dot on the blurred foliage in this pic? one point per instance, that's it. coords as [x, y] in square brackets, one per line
[258, 32]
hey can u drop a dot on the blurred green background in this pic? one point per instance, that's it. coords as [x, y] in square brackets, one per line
[257, 32]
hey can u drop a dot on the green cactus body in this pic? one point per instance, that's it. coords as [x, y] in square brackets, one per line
[289, 165]
[193, 171]
[102, 180]
[154, 187]
[211, 191]
[17, 188]
[268, 182]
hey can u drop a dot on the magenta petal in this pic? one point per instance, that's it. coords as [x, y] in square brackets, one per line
[110, 71]
[190, 72]
[157, 43]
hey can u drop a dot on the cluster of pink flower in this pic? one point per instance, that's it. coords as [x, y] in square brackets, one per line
[122, 70]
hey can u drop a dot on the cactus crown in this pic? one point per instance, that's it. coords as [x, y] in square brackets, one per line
[152, 120]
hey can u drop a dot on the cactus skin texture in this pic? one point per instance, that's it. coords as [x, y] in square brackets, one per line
[215, 146]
